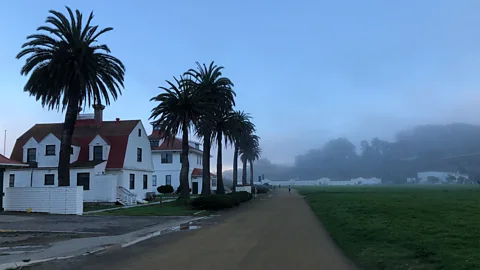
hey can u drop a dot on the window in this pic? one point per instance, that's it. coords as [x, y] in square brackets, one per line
[154, 180]
[139, 154]
[31, 155]
[71, 150]
[83, 179]
[49, 179]
[98, 152]
[139, 132]
[214, 182]
[50, 150]
[154, 143]
[11, 180]
[132, 181]
[168, 180]
[197, 145]
[167, 157]
[145, 181]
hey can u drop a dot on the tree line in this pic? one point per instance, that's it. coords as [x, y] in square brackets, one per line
[68, 69]
[419, 149]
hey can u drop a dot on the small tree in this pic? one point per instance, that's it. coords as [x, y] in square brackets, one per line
[433, 179]
[461, 180]
[450, 178]
[165, 189]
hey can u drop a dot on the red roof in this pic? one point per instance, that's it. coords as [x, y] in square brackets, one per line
[199, 172]
[6, 161]
[172, 144]
[115, 133]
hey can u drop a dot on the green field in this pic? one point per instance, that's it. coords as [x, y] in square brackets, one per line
[436, 227]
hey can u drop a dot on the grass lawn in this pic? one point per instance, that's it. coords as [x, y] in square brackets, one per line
[93, 207]
[166, 209]
[436, 227]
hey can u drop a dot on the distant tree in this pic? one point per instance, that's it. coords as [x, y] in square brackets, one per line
[461, 180]
[433, 180]
[450, 178]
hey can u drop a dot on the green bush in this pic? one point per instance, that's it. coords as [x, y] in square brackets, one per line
[220, 201]
[242, 196]
[166, 189]
[262, 189]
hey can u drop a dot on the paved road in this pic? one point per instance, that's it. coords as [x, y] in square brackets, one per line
[275, 233]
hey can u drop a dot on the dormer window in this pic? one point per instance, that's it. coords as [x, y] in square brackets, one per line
[31, 155]
[98, 152]
[197, 145]
[50, 150]
[154, 143]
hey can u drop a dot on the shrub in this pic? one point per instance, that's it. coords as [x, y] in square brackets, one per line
[213, 202]
[262, 189]
[220, 201]
[166, 189]
[242, 196]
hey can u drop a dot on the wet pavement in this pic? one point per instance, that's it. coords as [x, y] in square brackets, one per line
[100, 225]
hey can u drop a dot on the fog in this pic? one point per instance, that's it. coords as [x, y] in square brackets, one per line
[307, 71]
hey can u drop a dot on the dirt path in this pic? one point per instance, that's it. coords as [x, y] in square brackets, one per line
[275, 233]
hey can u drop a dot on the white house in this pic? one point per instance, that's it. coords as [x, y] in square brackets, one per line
[167, 165]
[112, 160]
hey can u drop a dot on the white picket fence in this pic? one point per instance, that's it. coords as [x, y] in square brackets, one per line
[53, 200]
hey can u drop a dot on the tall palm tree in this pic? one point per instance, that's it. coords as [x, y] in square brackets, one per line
[218, 91]
[249, 147]
[241, 125]
[255, 154]
[224, 123]
[181, 107]
[68, 69]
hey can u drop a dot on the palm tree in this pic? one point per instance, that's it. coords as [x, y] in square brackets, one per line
[254, 156]
[68, 69]
[218, 91]
[249, 151]
[224, 123]
[241, 124]
[181, 106]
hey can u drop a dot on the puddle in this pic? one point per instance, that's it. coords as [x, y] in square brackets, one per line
[189, 227]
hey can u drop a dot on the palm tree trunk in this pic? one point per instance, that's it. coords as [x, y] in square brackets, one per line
[184, 183]
[220, 187]
[244, 173]
[66, 142]
[235, 167]
[206, 163]
[251, 173]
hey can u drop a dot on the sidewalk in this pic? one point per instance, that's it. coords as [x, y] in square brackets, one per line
[79, 246]
[271, 233]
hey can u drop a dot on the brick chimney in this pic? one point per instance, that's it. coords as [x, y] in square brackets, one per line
[98, 109]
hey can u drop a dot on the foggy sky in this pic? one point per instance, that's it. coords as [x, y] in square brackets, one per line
[307, 70]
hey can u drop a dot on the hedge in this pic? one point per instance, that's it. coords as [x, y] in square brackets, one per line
[220, 201]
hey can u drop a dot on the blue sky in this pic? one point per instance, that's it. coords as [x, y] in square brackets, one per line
[306, 70]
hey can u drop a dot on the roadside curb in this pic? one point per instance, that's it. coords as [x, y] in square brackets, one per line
[181, 226]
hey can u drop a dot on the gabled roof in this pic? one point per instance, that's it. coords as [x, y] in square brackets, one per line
[4, 161]
[116, 132]
[199, 172]
[174, 144]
